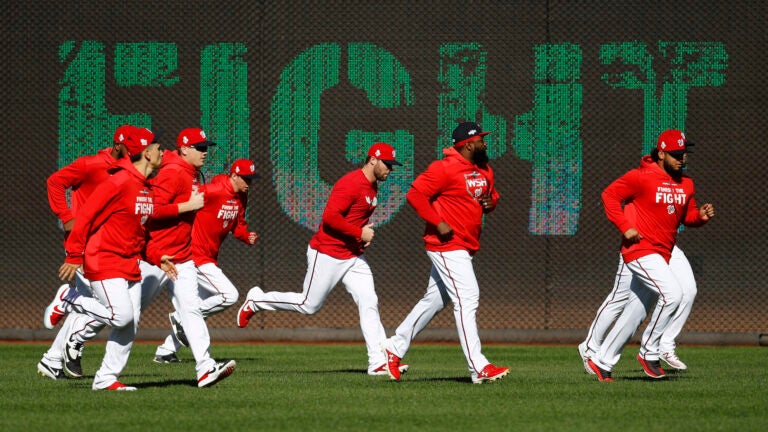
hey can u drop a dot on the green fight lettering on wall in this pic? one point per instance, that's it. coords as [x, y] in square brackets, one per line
[86, 126]
[665, 97]
[295, 124]
[548, 136]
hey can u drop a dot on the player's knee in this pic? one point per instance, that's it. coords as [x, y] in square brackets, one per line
[230, 299]
[310, 309]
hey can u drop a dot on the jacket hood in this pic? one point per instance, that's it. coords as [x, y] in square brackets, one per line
[124, 164]
[171, 157]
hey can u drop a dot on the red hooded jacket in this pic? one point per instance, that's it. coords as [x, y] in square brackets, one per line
[109, 232]
[448, 191]
[224, 212]
[660, 204]
[82, 176]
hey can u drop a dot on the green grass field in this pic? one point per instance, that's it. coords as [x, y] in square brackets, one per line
[325, 387]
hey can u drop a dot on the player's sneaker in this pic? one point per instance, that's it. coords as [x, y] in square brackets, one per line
[118, 386]
[54, 373]
[73, 352]
[584, 353]
[178, 330]
[673, 360]
[56, 310]
[382, 370]
[249, 308]
[217, 373]
[490, 373]
[602, 374]
[652, 368]
[168, 358]
[393, 365]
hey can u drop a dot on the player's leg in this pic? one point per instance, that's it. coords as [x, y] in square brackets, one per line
[417, 320]
[683, 272]
[323, 273]
[459, 282]
[358, 281]
[186, 299]
[609, 311]
[655, 274]
[640, 302]
[216, 290]
[124, 300]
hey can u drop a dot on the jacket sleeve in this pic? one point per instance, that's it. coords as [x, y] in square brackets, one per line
[615, 195]
[240, 229]
[423, 189]
[692, 216]
[58, 183]
[164, 190]
[91, 217]
[339, 203]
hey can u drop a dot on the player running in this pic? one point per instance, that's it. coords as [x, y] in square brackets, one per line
[223, 213]
[452, 196]
[663, 198]
[335, 254]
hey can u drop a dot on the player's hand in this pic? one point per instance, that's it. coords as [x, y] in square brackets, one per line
[168, 267]
[68, 225]
[632, 236]
[67, 271]
[252, 237]
[707, 211]
[444, 231]
[367, 235]
[486, 202]
[195, 202]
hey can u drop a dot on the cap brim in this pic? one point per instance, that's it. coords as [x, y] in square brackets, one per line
[391, 162]
[158, 134]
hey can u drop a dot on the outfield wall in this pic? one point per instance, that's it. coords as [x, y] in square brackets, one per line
[573, 93]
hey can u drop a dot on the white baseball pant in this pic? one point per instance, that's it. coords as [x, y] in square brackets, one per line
[186, 300]
[216, 292]
[323, 273]
[452, 278]
[80, 327]
[654, 276]
[116, 303]
[614, 304]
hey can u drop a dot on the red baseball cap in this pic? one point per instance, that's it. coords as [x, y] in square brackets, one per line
[244, 168]
[191, 137]
[383, 152]
[674, 141]
[138, 139]
[122, 132]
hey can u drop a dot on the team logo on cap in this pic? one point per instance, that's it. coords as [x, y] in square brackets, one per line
[472, 132]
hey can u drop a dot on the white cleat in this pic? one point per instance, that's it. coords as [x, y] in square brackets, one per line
[584, 353]
[673, 360]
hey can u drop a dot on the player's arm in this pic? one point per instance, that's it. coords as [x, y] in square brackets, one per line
[334, 216]
[91, 216]
[697, 216]
[614, 196]
[165, 190]
[58, 183]
[427, 185]
[240, 229]
[489, 201]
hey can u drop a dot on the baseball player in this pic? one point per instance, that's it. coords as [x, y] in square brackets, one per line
[663, 198]
[107, 240]
[452, 196]
[175, 182]
[223, 213]
[335, 254]
[614, 304]
[81, 177]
